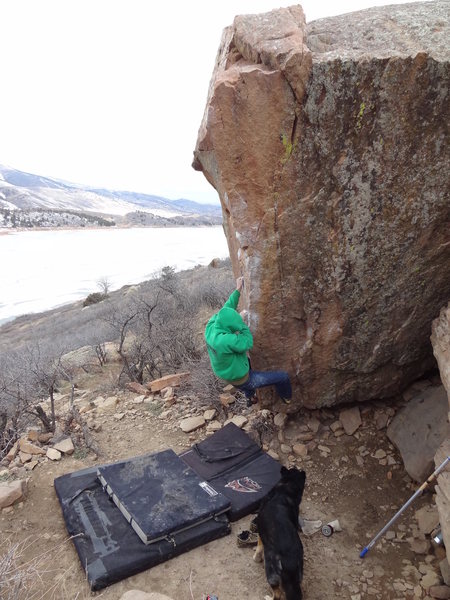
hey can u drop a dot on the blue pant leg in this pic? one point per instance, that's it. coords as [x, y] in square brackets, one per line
[280, 379]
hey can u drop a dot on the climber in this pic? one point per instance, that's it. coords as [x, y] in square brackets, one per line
[228, 340]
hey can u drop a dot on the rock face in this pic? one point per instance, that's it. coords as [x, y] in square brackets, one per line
[326, 144]
[440, 339]
[419, 429]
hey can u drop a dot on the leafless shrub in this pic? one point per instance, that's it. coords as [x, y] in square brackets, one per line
[14, 395]
[104, 286]
[203, 383]
[262, 428]
[100, 352]
[158, 327]
[211, 290]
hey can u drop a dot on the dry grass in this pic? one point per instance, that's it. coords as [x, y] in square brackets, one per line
[24, 579]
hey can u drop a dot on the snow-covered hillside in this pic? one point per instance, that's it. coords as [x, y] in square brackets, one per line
[25, 191]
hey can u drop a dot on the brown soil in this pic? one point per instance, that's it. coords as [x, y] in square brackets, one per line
[363, 498]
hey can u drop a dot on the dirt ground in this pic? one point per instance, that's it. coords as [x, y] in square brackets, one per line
[363, 494]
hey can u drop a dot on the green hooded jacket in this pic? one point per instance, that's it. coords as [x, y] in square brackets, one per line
[228, 339]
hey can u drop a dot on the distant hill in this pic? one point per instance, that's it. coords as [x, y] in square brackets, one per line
[28, 200]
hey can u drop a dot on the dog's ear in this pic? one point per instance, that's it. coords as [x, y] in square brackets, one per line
[284, 471]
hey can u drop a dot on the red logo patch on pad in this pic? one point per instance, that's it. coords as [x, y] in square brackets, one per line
[243, 484]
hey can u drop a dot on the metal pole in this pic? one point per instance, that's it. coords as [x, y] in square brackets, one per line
[404, 507]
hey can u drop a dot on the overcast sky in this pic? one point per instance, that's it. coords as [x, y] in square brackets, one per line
[112, 92]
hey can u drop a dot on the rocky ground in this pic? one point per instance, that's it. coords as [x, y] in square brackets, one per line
[353, 473]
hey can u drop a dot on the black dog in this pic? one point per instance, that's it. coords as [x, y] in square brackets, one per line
[277, 523]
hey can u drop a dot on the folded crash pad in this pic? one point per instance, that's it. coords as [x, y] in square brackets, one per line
[160, 495]
[235, 466]
[108, 548]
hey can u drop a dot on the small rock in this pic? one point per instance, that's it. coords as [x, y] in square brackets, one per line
[285, 449]
[314, 425]
[300, 450]
[280, 419]
[238, 420]
[13, 452]
[431, 578]
[399, 586]
[24, 457]
[33, 435]
[427, 518]
[381, 420]
[420, 546]
[192, 423]
[335, 426]
[137, 387]
[168, 380]
[110, 402]
[138, 399]
[166, 392]
[165, 414]
[26, 446]
[379, 454]
[53, 454]
[214, 426]
[226, 399]
[324, 449]
[31, 465]
[119, 416]
[209, 414]
[65, 446]
[350, 419]
[445, 571]
[273, 454]
[138, 595]
[439, 591]
[12, 492]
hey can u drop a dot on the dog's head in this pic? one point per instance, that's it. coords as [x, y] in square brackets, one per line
[295, 480]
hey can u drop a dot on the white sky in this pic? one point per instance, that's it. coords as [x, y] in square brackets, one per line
[112, 92]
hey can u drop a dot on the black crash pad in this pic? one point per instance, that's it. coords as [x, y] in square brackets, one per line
[160, 495]
[235, 466]
[108, 548]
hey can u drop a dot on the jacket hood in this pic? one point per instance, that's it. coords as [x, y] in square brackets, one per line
[229, 320]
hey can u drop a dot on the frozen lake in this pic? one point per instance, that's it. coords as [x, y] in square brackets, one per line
[40, 270]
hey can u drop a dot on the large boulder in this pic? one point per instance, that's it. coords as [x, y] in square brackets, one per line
[327, 145]
[419, 429]
[440, 340]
